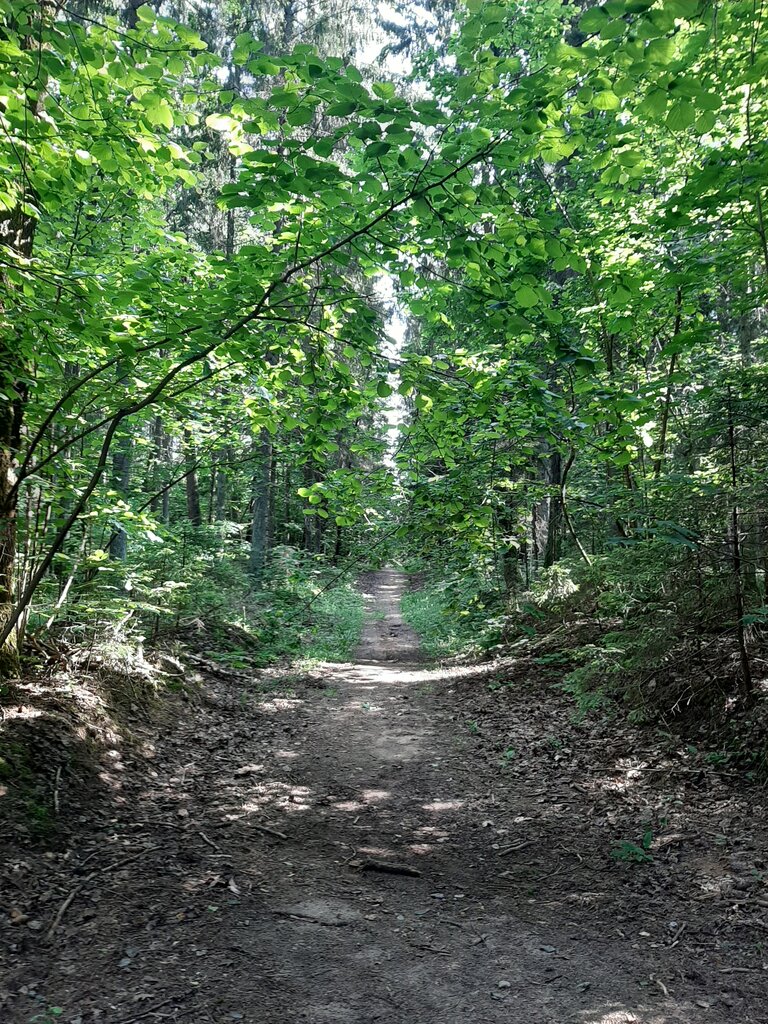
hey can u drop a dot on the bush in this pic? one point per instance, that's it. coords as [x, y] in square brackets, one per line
[200, 590]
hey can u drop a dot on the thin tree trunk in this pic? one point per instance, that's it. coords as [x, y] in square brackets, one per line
[194, 514]
[271, 517]
[222, 488]
[566, 514]
[337, 548]
[287, 480]
[738, 582]
[659, 460]
[11, 414]
[120, 482]
[17, 236]
[553, 472]
[211, 494]
[260, 514]
[159, 466]
[311, 533]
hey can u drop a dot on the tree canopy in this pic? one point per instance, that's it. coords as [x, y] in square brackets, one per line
[207, 223]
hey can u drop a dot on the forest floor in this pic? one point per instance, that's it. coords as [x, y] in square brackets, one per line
[227, 862]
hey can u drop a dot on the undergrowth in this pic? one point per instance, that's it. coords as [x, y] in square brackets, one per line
[644, 630]
[337, 625]
[210, 603]
[451, 617]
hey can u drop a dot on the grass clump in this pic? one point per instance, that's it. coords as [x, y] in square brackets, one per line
[452, 617]
[338, 623]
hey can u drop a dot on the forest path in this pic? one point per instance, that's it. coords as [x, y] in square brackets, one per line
[238, 883]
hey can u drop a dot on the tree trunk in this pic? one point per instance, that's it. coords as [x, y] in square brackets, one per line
[736, 560]
[11, 414]
[121, 478]
[337, 547]
[271, 515]
[311, 532]
[229, 242]
[221, 487]
[287, 483]
[546, 515]
[552, 475]
[17, 236]
[194, 514]
[159, 471]
[260, 514]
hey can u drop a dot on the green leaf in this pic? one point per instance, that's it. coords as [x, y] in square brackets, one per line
[323, 147]
[683, 8]
[160, 114]
[342, 109]
[264, 66]
[385, 90]
[526, 297]
[221, 122]
[300, 116]
[681, 116]
[655, 104]
[594, 20]
[661, 51]
[377, 149]
[606, 100]
[367, 130]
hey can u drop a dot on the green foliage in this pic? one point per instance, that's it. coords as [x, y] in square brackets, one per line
[630, 853]
[430, 614]
[50, 1015]
[452, 616]
[570, 213]
[337, 624]
[587, 691]
[197, 588]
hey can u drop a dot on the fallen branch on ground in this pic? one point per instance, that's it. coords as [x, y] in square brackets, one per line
[79, 888]
[269, 831]
[389, 868]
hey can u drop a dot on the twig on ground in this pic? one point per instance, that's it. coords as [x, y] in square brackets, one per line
[158, 824]
[151, 1010]
[549, 874]
[91, 855]
[269, 831]
[431, 949]
[126, 860]
[661, 986]
[515, 847]
[65, 907]
[56, 784]
[297, 915]
[89, 878]
[209, 842]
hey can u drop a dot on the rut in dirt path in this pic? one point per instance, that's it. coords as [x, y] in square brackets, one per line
[243, 837]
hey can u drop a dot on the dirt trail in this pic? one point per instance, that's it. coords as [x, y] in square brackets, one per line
[512, 918]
